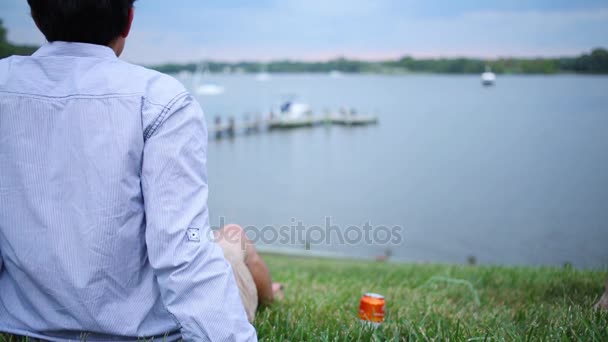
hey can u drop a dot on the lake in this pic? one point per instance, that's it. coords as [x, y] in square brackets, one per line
[514, 174]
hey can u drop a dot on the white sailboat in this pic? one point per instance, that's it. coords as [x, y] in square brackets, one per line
[206, 89]
[335, 74]
[263, 75]
[210, 89]
[184, 75]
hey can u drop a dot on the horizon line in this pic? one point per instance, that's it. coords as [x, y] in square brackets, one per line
[378, 59]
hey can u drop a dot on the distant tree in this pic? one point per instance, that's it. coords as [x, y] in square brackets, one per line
[599, 61]
[2, 32]
[8, 49]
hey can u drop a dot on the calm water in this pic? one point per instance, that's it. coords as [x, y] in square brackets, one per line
[514, 174]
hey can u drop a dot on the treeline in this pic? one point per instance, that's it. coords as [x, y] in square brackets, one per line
[594, 63]
[8, 49]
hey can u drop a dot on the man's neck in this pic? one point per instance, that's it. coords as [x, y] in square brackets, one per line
[117, 45]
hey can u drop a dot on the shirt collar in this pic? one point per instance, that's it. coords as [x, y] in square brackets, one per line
[75, 50]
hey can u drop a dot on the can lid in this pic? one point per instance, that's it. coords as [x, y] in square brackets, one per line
[374, 295]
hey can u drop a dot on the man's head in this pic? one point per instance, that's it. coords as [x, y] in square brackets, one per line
[101, 22]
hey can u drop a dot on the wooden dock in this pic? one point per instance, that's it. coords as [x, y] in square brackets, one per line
[231, 128]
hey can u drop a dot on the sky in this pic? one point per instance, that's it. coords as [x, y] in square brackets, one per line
[233, 30]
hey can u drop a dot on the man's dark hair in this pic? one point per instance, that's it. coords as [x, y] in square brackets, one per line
[83, 21]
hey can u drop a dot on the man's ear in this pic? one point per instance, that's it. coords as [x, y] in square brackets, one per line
[127, 29]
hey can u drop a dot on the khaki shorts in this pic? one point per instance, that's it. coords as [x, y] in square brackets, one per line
[236, 256]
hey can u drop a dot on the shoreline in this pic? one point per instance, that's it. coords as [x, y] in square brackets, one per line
[339, 257]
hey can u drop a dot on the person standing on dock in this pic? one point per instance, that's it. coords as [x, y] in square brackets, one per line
[218, 127]
[231, 130]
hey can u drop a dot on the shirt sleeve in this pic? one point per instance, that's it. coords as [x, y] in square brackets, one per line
[196, 282]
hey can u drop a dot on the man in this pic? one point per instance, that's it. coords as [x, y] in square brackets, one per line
[104, 230]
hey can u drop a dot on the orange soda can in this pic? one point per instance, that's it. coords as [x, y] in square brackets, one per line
[371, 309]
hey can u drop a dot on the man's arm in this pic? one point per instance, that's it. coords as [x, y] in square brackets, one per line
[196, 283]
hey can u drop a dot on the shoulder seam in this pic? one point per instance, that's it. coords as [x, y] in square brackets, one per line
[151, 129]
[76, 96]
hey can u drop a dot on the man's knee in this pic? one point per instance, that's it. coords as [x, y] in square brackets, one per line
[235, 235]
[231, 233]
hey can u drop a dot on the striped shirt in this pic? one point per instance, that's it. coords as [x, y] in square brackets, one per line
[103, 205]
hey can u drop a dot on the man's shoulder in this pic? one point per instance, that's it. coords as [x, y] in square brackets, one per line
[93, 76]
[162, 95]
[4, 64]
[156, 87]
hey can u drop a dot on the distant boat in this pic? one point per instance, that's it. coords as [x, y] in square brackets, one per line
[488, 78]
[210, 89]
[184, 75]
[207, 89]
[262, 77]
[335, 74]
[293, 114]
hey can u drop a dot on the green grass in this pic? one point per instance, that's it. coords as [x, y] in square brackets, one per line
[432, 302]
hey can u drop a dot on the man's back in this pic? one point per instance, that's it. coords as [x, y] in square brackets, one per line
[99, 188]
